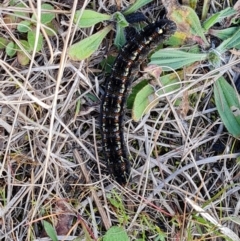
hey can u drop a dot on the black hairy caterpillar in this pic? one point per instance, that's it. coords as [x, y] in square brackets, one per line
[124, 69]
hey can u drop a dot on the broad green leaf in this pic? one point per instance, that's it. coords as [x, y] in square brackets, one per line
[24, 26]
[89, 18]
[50, 230]
[47, 17]
[218, 17]
[11, 49]
[188, 22]
[87, 46]
[116, 234]
[232, 42]
[3, 43]
[138, 4]
[143, 98]
[228, 105]
[141, 102]
[223, 33]
[32, 39]
[175, 59]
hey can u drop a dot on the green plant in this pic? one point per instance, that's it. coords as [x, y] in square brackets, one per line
[31, 39]
[89, 18]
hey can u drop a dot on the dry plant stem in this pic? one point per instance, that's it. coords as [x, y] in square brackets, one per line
[54, 108]
[106, 221]
[175, 174]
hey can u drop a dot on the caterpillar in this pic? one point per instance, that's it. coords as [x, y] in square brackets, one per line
[124, 69]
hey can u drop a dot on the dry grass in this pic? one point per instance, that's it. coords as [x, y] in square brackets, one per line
[52, 166]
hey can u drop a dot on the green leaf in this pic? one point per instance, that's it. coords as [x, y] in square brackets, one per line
[223, 33]
[23, 14]
[142, 99]
[135, 90]
[138, 4]
[228, 106]
[48, 16]
[116, 234]
[175, 59]
[87, 46]
[214, 58]
[121, 20]
[32, 39]
[170, 83]
[120, 39]
[3, 43]
[89, 18]
[141, 102]
[188, 22]
[106, 64]
[50, 29]
[25, 45]
[24, 26]
[50, 230]
[11, 49]
[233, 42]
[218, 17]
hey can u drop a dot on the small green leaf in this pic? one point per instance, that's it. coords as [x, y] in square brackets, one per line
[122, 23]
[135, 90]
[116, 234]
[24, 26]
[50, 230]
[214, 58]
[11, 49]
[228, 106]
[47, 17]
[233, 42]
[89, 18]
[87, 46]
[138, 4]
[32, 39]
[223, 33]
[175, 59]
[141, 102]
[25, 45]
[50, 29]
[21, 13]
[3, 43]
[106, 64]
[120, 39]
[218, 17]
